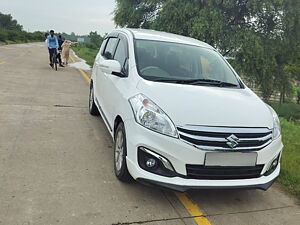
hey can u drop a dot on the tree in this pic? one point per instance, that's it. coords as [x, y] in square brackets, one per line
[95, 39]
[7, 22]
[10, 30]
[136, 13]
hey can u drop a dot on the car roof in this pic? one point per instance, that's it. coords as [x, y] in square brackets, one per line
[164, 36]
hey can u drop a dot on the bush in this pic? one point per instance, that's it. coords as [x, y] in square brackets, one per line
[289, 111]
[15, 36]
[3, 35]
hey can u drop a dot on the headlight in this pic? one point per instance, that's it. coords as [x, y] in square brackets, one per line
[276, 124]
[149, 115]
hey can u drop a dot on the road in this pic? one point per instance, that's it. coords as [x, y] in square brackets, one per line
[56, 161]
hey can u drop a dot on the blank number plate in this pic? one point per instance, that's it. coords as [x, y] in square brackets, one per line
[230, 158]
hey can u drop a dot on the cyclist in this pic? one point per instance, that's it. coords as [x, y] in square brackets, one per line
[53, 45]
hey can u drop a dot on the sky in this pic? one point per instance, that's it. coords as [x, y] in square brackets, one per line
[79, 16]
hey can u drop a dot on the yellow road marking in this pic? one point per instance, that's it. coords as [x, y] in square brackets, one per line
[193, 209]
[84, 74]
[2, 62]
[22, 54]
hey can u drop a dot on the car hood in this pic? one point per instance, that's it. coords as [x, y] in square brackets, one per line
[209, 106]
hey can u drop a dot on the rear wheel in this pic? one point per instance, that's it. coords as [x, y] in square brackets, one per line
[92, 106]
[55, 65]
[120, 153]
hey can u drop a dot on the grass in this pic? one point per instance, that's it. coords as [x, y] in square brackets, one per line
[290, 111]
[85, 53]
[290, 161]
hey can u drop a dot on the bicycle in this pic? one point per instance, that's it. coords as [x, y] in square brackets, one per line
[54, 60]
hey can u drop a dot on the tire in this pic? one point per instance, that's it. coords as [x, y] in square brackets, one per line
[120, 153]
[54, 62]
[92, 106]
[55, 65]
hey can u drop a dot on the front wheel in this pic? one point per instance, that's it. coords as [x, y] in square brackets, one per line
[120, 153]
[54, 62]
[92, 106]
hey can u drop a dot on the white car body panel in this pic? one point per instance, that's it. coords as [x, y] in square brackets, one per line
[185, 105]
[209, 106]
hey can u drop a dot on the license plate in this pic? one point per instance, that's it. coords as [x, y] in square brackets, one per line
[230, 158]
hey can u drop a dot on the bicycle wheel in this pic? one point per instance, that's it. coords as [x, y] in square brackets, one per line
[54, 61]
[55, 65]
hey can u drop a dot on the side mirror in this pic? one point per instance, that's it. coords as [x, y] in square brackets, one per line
[112, 67]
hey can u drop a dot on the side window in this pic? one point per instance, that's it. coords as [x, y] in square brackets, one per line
[110, 47]
[103, 46]
[121, 55]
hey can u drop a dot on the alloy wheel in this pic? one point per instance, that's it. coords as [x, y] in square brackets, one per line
[119, 150]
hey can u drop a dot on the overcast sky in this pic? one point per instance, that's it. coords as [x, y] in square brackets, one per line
[79, 16]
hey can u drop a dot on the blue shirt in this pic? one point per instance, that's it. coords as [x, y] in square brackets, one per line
[52, 41]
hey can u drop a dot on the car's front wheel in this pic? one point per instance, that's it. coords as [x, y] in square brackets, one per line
[92, 106]
[120, 153]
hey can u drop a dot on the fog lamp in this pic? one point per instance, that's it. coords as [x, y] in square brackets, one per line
[155, 163]
[273, 166]
[274, 163]
[151, 163]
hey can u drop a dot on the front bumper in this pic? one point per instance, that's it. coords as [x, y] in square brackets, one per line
[180, 153]
[183, 188]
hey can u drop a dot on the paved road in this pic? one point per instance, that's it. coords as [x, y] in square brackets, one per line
[56, 161]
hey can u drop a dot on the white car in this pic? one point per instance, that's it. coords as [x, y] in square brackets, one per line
[180, 116]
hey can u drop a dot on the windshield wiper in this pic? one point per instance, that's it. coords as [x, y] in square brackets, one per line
[210, 82]
[168, 80]
[197, 82]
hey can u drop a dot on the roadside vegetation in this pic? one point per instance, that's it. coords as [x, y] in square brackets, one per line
[11, 32]
[289, 111]
[290, 161]
[85, 53]
[89, 49]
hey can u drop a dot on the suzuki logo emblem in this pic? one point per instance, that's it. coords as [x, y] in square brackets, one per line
[232, 141]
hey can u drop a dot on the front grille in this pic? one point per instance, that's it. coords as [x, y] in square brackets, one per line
[216, 138]
[223, 172]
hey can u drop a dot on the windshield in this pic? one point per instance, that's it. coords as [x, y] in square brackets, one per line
[166, 61]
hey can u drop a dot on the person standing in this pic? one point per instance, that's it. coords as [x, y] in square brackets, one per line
[60, 42]
[46, 39]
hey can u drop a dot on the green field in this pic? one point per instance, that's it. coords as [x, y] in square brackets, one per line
[289, 115]
[85, 53]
